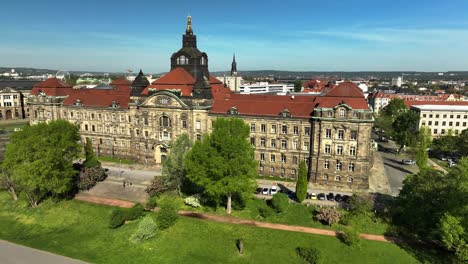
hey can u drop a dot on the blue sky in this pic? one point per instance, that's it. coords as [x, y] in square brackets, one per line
[344, 35]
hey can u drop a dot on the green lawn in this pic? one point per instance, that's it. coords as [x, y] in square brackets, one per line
[79, 230]
[10, 126]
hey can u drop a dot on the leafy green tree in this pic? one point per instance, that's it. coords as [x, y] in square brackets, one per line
[462, 145]
[298, 86]
[361, 204]
[446, 144]
[302, 183]
[91, 159]
[405, 128]
[173, 170]
[7, 183]
[39, 159]
[451, 232]
[280, 202]
[222, 162]
[424, 140]
[394, 107]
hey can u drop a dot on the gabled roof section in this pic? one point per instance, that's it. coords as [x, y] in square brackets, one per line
[345, 89]
[51, 87]
[176, 76]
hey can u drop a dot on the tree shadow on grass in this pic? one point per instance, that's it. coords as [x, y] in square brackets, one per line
[427, 253]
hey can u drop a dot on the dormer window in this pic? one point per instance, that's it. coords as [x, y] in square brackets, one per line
[78, 102]
[355, 115]
[182, 60]
[285, 113]
[233, 111]
[115, 104]
[342, 112]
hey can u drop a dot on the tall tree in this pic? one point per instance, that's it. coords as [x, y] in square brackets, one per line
[173, 169]
[394, 107]
[39, 159]
[424, 140]
[298, 86]
[301, 185]
[405, 128]
[91, 159]
[222, 163]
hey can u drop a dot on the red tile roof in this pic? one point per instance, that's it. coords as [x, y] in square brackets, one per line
[120, 81]
[98, 98]
[345, 89]
[51, 87]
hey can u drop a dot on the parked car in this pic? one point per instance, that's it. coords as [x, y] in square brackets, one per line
[408, 162]
[451, 164]
[345, 198]
[290, 194]
[258, 190]
[338, 197]
[321, 196]
[265, 191]
[274, 190]
[444, 158]
[330, 197]
[313, 196]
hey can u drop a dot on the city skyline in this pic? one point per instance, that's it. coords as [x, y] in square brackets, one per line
[336, 36]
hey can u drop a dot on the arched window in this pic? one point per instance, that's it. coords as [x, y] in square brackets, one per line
[342, 112]
[182, 60]
[164, 121]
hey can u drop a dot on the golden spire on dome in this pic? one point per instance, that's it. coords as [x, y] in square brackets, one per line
[189, 25]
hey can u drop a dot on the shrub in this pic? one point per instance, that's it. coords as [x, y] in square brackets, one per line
[265, 211]
[157, 186]
[350, 237]
[117, 218]
[147, 228]
[361, 204]
[309, 254]
[280, 202]
[192, 201]
[328, 215]
[152, 202]
[167, 216]
[88, 177]
[135, 212]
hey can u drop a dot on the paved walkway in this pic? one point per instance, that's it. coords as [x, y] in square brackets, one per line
[16, 254]
[378, 180]
[240, 221]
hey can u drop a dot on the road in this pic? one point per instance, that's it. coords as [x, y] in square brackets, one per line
[395, 171]
[16, 254]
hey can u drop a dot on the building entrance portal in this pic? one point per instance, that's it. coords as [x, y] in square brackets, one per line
[160, 154]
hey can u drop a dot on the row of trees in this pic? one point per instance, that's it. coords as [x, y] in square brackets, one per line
[39, 163]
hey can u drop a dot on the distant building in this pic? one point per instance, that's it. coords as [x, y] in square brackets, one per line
[440, 117]
[266, 88]
[397, 81]
[233, 81]
[12, 98]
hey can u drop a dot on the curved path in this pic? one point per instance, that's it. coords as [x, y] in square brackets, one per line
[240, 221]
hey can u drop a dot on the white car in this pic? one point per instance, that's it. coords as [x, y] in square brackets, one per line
[273, 190]
[265, 191]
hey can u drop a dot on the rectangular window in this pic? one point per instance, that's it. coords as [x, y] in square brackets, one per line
[340, 134]
[326, 164]
[424, 115]
[262, 142]
[293, 172]
[122, 131]
[296, 130]
[436, 123]
[262, 156]
[284, 144]
[437, 116]
[284, 129]
[442, 131]
[352, 151]
[198, 125]
[263, 128]
[444, 116]
[261, 169]
[306, 146]
[146, 134]
[450, 123]
[353, 135]
[351, 167]
[458, 116]
[283, 158]
[443, 123]
[184, 124]
[122, 118]
[273, 129]
[93, 128]
[294, 160]
[252, 127]
[86, 127]
[430, 123]
[252, 141]
[328, 133]
[272, 158]
[457, 124]
[122, 143]
[273, 143]
[339, 150]
[327, 149]
[338, 165]
[307, 131]
[451, 116]
[435, 131]
[295, 144]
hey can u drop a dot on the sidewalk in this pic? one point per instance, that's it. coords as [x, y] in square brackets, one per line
[378, 181]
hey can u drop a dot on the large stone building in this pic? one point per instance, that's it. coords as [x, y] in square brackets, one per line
[139, 120]
[12, 94]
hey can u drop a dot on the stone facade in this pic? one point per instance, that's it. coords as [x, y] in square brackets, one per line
[11, 104]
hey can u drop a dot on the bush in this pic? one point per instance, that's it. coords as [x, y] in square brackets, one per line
[147, 228]
[167, 216]
[309, 254]
[192, 201]
[361, 204]
[152, 202]
[265, 211]
[328, 215]
[135, 212]
[280, 202]
[88, 177]
[157, 186]
[350, 237]
[117, 218]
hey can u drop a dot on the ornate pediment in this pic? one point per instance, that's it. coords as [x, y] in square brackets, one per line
[163, 99]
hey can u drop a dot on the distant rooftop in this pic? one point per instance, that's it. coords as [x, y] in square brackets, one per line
[441, 107]
[17, 84]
